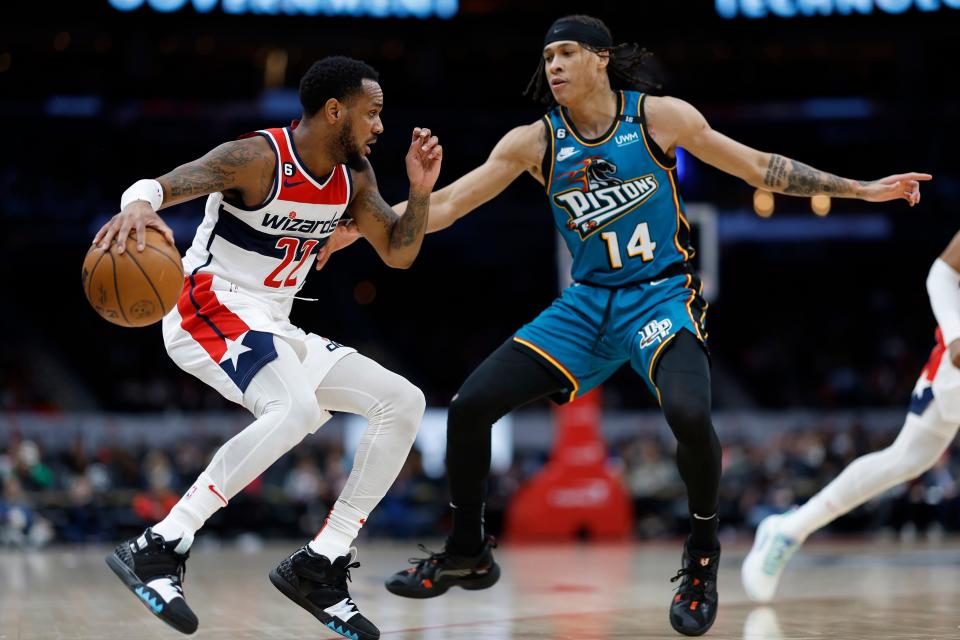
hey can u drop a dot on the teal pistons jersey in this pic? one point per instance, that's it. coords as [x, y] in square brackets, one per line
[615, 198]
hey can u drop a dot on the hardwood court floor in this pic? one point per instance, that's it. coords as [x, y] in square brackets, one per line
[851, 591]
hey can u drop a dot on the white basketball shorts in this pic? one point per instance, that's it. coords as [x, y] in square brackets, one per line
[224, 336]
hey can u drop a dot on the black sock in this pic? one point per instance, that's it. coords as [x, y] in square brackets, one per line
[703, 532]
[468, 534]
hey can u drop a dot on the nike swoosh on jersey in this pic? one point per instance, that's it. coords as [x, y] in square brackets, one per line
[288, 184]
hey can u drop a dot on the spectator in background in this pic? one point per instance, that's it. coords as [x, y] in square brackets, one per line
[155, 503]
[83, 519]
[30, 469]
[19, 524]
[413, 505]
[654, 484]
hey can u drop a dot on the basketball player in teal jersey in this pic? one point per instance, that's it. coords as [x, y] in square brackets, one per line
[606, 154]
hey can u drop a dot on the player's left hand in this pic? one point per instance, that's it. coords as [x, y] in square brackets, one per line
[954, 349]
[423, 160]
[901, 185]
[344, 235]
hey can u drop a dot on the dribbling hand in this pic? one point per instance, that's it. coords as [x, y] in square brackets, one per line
[423, 160]
[901, 185]
[136, 215]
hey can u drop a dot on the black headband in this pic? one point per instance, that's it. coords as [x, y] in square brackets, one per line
[578, 32]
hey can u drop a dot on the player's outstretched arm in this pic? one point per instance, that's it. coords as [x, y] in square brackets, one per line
[521, 149]
[682, 125]
[397, 239]
[239, 165]
[943, 287]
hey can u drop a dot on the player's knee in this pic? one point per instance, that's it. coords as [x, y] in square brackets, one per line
[406, 402]
[466, 408]
[410, 402]
[688, 416]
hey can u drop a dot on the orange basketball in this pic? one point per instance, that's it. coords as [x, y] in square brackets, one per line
[133, 288]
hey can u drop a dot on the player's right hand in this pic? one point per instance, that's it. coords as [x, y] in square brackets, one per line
[903, 186]
[137, 215]
[954, 349]
[423, 160]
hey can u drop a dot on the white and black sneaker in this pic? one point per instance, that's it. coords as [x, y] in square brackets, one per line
[320, 587]
[153, 569]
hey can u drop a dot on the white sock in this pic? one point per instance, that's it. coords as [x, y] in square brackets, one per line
[196, 506]
[339, 531]
[921, 442]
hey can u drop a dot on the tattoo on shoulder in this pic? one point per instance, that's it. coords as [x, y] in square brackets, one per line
[215, 171]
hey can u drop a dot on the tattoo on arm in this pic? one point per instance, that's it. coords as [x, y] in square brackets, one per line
[802, 179]
[383, 214]
[214, 172]
[776, 171]
[409, 229]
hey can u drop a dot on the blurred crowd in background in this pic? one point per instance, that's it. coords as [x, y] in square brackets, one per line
[74, 494]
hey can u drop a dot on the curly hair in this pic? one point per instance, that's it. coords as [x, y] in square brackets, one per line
[336, 77]
[626, 70]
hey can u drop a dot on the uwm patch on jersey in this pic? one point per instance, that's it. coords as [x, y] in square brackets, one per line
[268, 250]
[597, 197]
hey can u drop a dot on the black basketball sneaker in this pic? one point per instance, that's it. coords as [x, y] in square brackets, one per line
[694, 607]
[153, 569]
[320, 587]
[434, 575]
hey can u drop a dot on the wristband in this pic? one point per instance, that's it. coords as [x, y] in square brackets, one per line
[148, 190]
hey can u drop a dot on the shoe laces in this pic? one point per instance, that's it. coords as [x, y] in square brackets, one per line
[181, 569]
[696, 581]
[432, 556]
[179, 560]
[351, 564]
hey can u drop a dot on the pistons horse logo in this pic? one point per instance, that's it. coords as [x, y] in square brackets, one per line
[597, 196]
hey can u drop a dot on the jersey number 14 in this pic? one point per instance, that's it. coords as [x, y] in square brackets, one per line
[640, 245]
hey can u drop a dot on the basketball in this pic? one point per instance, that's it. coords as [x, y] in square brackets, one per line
[133, 288]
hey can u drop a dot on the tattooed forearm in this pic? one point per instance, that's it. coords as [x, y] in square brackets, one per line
[383, 214]
[213, 172]
[410, 227]
[776, 171]
[803, 180]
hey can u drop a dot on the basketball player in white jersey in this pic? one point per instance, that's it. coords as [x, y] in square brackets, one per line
[931, 424]
[274, 198]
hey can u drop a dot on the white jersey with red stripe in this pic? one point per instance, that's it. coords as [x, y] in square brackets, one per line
[244, 269]
[267, 251]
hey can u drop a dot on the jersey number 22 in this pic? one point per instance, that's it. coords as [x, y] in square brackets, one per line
[277, 279]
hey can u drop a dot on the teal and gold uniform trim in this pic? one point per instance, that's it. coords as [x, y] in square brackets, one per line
[556, 363]
[551, 153]
[656, 153]
[653, 364]
[603, 138]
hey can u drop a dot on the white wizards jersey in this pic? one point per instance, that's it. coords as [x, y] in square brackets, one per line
[266, 252]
